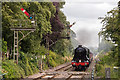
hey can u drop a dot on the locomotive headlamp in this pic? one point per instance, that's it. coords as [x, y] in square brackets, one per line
[85, 64]
[79, 60]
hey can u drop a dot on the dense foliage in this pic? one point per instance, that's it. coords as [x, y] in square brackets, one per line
[110, 32]
[111, 29]
[28, 65]
[50, 22]
[110, 60]
[111, 26]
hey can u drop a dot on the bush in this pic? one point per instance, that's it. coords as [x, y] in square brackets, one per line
[52, 62]
[14, 70]
[25, 64]
[33, 67]
[22, 69]
[55, 59]
[99, 70]
[107, 61]
[28, 65]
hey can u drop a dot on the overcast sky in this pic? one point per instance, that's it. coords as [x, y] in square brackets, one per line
[85, 13]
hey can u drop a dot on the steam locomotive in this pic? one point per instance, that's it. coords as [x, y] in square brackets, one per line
[81, 63]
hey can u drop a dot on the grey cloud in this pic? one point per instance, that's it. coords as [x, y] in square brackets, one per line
[85, 10]
[86, 13]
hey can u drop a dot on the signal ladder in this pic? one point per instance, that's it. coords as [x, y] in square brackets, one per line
[15, 57]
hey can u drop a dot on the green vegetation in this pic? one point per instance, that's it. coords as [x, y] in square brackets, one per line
[109, 48]
[111, 29]
[50, 21]
[28, 65]
[107, 61]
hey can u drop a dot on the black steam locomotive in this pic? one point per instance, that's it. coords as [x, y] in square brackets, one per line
[82, 58]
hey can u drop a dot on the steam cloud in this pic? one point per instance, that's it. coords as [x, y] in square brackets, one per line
[86, 37]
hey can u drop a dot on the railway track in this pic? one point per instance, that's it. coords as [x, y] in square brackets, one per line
[64, 68]
[63, 76]
[63, 72]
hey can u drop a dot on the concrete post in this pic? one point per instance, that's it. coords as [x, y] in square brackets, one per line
[107, 72]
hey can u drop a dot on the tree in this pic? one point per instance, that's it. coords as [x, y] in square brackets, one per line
[111, 28]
